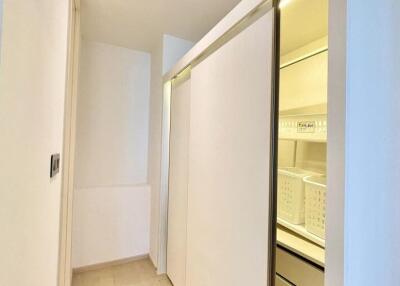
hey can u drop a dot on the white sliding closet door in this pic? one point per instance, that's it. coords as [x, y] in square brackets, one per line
[229, 161]
[178, 182]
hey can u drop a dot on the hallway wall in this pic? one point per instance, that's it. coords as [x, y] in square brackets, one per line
[32, 94]
[110, 223]
[112, 199]
[113, 112]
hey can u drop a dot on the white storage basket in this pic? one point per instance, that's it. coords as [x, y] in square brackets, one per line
[291, 194]
[315, 205]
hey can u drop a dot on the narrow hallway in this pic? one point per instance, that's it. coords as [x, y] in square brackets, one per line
[137, 273]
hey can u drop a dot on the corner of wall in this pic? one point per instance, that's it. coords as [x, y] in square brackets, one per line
[154, 156]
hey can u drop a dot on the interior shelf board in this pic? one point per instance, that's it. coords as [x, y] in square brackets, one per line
[304, 248]
[302, 139]
[301, 230]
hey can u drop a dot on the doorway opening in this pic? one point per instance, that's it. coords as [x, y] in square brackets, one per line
[115, 126]
[302, 143]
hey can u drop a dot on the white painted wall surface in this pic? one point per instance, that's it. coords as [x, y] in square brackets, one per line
[154, 169]
[33, 78]
[174, 49]
[113, 112]
[110, 223]
[372, 192]
[167, 51]
[112, 199]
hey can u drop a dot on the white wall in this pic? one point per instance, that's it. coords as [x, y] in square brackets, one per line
[33, 78]
[99, 134]
[112, 200]
[372, 193]
[113, 112]
[154, 169]
[363, 226]
[174, 49]
[167, 51]
[110, 223]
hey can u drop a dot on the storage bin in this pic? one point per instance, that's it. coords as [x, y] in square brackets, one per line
[291, 194]
[315, 210]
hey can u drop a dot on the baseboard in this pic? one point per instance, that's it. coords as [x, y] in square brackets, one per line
[153, 261]
[102, 265]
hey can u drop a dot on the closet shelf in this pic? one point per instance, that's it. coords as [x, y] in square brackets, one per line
[301, 230]
[305, 127]
[291, 241]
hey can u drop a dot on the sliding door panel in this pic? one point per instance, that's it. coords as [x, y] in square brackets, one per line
[229, 161]
[178, 182]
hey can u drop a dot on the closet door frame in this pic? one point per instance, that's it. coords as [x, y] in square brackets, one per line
[240, 18]
[178, 179]
[338, 25]
[66, 204]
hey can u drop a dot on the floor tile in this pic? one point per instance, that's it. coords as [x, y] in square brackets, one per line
[138, 273]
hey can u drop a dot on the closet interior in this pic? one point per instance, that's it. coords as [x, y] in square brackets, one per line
[302, 148]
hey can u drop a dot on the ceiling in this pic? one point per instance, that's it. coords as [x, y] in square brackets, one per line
[139, 24]
[303, 21]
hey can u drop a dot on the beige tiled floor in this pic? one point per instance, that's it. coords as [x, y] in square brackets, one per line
[138, 273]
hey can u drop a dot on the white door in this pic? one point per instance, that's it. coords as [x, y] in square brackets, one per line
[229, 161]
[178, 182]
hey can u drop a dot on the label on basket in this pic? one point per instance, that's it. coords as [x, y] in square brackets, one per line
[306, 127]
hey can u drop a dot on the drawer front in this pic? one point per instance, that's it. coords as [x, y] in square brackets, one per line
[296, 270]
[281, 282]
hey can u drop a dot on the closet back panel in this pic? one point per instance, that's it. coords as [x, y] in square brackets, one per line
[304, 84]
[229, 161]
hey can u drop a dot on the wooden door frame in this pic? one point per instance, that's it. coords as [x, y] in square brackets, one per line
[65, 243]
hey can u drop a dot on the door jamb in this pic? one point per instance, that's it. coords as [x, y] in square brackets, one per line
[66, 208]
[273, 188]
[163, 223]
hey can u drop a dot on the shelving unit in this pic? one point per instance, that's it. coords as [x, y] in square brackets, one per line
[302, 142]
[308, 128]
